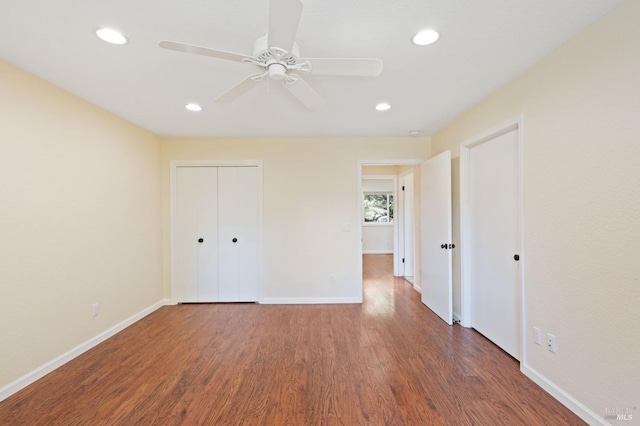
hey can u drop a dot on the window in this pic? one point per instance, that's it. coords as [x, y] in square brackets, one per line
[378, 207]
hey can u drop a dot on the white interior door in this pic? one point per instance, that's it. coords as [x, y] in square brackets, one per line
[238, 234]
[408, 223]
[197, 236]
[494, 240]
[435, 213]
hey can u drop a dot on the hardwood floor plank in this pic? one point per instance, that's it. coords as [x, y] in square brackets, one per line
[388, 361]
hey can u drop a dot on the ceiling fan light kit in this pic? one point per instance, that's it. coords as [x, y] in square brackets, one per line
[278, 56]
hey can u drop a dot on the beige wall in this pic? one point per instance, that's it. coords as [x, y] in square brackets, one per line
[379, 170]
[581, 107]
[79, 221]
[310, 191]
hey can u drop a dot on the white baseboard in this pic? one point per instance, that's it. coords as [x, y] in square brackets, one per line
[377, 252]
[43, 370]
[563, 397]
[309, 300]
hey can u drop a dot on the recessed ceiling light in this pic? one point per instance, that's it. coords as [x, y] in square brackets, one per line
[383, 106]
[193, 107]
[111, 36]
[414, 133]
[425, 37]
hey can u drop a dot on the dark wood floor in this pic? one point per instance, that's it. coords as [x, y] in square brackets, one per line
[389, 361]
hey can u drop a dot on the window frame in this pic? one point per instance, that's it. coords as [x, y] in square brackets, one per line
[390, 211]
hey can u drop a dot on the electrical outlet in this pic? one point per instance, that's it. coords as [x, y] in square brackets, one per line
[95, 309]
[551, 342]
[537, 336]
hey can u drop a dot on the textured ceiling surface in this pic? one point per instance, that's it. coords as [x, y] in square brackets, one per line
[483, 44]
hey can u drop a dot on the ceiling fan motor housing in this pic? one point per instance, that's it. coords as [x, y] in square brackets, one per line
[263, 52]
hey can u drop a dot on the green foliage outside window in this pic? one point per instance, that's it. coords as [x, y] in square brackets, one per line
[378, 208]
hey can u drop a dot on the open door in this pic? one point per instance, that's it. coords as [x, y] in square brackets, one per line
[436, 240]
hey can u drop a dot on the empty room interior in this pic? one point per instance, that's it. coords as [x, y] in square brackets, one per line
[295, 212]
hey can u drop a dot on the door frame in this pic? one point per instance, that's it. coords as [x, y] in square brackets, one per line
[402, 223]
[173, 165]
[360, 164]
[516, 123]
[394, 180]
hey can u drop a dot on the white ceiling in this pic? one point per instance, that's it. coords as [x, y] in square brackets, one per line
[483, 44]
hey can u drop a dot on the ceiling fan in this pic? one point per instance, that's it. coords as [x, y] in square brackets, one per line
[278, 56]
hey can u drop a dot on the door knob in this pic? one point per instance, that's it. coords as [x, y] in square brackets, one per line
[235, 240]
[200, 240]
[516, 257]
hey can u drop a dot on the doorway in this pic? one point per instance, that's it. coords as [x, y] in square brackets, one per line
[402, 169]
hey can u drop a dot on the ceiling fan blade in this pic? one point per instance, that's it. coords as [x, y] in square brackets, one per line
[284, 17]
[363, 67]
[305, 94]
[197, 50]
[238, 89]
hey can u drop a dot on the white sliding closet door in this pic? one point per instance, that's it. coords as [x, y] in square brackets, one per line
[197, 226]
[238, 242]
[216, 234]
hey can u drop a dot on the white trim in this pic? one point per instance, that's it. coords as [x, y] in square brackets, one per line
[309, 300]
[562, 396]
[379, 177]
[377, 252]
[401, 223]
[173, 165]
[465, 253]
[43, 370]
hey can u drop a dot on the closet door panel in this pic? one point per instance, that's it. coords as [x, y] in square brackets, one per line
[248, 249]
[208, 232]
[196, 210]
[187, 199]
[237, 210]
